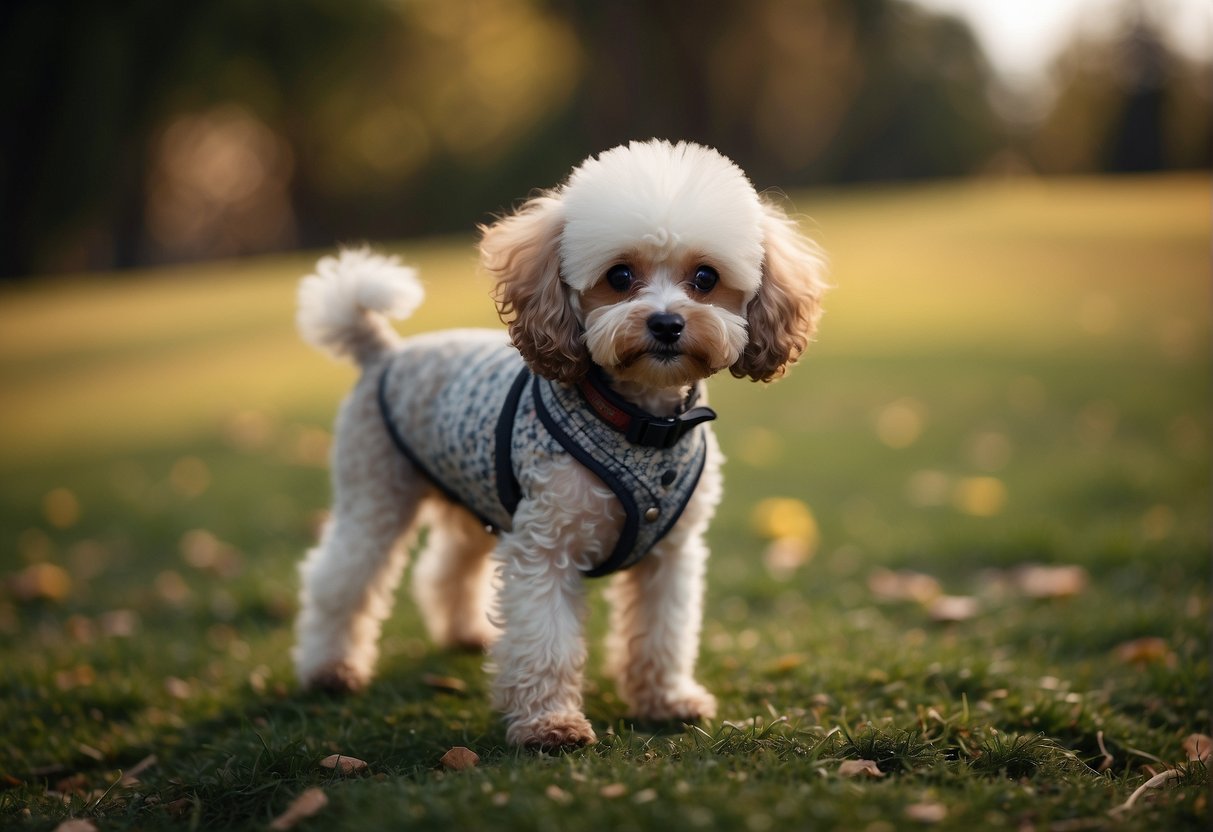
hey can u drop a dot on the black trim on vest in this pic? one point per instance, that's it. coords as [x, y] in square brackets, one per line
[639, 426]
[631, 513]
[402, 446]
[509, 492]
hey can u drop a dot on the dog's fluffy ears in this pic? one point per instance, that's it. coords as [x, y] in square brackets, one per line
[782, 317]
[522, 253]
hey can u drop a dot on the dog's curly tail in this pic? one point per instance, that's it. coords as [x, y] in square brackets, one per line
[344, 307]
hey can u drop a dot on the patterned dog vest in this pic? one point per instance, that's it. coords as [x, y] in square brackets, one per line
[471, 432]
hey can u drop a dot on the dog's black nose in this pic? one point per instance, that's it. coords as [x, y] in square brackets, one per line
[666, 327]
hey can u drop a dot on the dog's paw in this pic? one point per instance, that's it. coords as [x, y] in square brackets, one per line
[552, 732]
[335, 678]
[687, 703]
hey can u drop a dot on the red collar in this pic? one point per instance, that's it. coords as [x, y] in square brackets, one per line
[638, 426]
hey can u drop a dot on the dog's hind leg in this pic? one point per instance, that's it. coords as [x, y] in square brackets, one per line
[452, 579]
[350, 578]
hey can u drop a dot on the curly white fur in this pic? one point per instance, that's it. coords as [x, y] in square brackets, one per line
[343, 306]
[665, 212]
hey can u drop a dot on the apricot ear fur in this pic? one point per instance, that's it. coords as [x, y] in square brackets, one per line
[783, 316]
[522, 253]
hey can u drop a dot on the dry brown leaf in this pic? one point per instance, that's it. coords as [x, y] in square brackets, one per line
[788, 662]
[344, 764]
[558, 794]
[1148, 650]
[131, 775]
[179, 807]
[444, 683]
[888, 585]
[42, 582]
[177, 688]
[926, 812]
[854, 768]
[76, 825]
[1051, 581]
[460, 758]
[613, 790]
[952, 608]
[1197, 746]
[310, 802]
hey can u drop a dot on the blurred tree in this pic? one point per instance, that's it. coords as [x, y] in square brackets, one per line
[87, 86]
[140, 131]
[1126, 103]
[798, 90]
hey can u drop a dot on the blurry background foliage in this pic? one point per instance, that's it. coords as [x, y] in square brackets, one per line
[144, 131]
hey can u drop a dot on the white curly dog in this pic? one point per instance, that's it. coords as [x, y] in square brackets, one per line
[578, 446]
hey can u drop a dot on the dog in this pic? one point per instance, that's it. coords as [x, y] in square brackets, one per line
[576, 445]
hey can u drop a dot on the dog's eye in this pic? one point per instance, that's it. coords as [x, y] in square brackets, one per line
[619, 278]
[705, 279]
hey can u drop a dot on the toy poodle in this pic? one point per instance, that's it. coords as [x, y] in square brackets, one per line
[577, 446]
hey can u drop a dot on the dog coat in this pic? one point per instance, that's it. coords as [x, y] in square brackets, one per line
[472, 430]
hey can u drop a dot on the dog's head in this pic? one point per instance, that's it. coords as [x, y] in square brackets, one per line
[660, 263]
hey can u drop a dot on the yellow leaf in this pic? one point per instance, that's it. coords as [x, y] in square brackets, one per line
[42, 581]
[782, 517]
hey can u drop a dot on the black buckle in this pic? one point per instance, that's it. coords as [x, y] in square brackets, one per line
[665, 433]
[653, 433]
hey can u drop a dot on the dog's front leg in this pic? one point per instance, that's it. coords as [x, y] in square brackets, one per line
[656, 616]
[539, 658]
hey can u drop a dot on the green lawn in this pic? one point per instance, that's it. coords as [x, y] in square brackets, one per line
[1010, 376]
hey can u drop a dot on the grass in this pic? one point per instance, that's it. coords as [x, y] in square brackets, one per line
[1010, 375]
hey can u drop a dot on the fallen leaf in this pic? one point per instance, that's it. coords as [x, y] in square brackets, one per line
[76, 825]
[460, 758]
[1051, 581]
[888, 585]
[1197, 746]
[177, 688]
[131, 775]
[558, 794]
[302, 807]
[784, 555]
[854, 768]
[179, 807]
[119, 623]
[980, 496]
[42, 582]
[1147, 650]
[444, 683]
[780, 517]
[613, 790]
[788, 662]
[953, 608]
[926, 812]
[72, 784]
[344, 764]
